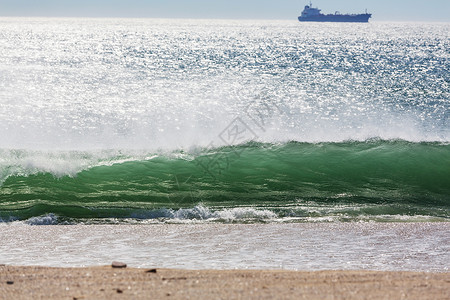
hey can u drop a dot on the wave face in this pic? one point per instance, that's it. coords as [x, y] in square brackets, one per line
[301, 181]
[103, 120]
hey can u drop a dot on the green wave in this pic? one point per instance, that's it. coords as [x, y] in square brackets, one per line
[396, 177]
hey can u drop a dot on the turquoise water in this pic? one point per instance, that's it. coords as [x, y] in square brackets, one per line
[149, 121]
[293, 181]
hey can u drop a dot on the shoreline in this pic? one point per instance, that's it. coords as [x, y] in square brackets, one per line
[418, 247]
[26, 282]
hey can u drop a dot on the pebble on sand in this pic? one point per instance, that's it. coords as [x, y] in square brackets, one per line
[117, 264]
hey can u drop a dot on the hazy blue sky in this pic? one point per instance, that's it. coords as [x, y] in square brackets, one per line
[396, 10]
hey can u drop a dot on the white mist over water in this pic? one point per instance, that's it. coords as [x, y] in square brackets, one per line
[86, 84]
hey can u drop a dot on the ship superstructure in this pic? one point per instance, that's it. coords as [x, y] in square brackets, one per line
[312, 14]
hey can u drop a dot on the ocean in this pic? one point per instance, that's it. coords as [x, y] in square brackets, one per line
[219, 122]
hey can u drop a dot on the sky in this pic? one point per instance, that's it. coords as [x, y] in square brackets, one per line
[382, 10]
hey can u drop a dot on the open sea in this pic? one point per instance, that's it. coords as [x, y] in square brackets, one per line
[152, 121]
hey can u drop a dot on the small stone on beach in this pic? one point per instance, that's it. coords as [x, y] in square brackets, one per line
[117, 264]
[151, 271]
[10, 282]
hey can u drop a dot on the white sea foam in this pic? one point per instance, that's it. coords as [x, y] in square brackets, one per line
[49, 219]
[201, 213]
[63, 163]
[324, 246]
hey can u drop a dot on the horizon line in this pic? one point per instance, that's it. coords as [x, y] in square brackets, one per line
[202, 18]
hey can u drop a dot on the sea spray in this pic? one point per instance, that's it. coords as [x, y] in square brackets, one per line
[153, 120]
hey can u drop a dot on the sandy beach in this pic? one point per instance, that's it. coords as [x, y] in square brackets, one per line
[133, 283]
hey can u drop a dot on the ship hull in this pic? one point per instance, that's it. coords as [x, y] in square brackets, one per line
[362, 18]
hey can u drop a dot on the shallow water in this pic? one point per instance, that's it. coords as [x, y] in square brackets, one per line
[323, 246]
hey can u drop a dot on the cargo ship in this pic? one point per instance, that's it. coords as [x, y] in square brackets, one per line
[311, 14]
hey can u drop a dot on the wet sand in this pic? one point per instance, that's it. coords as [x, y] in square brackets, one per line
[131, 283]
